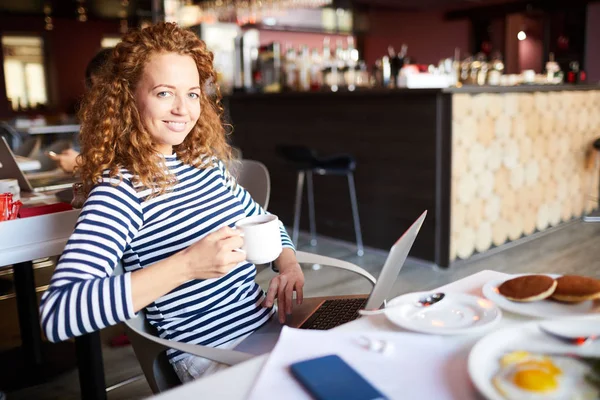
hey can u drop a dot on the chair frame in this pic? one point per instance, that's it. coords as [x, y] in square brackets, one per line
[307, 174]
[254, 177]
[12, 134]
[594, 215]
[150, 349]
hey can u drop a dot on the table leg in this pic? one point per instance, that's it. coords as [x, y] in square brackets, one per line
[27, 306]
[91, 366]
[88, 347]
[35, 361]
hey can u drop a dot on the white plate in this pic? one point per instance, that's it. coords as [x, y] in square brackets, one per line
[541, 308]
[485, 355]
[583, 327]
[455, 314]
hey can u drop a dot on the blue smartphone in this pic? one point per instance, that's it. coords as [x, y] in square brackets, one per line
[331, 378]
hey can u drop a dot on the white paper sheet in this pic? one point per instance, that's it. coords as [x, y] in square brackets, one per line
[419, 367]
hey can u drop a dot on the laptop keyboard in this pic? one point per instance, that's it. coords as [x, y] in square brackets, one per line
[333, 313]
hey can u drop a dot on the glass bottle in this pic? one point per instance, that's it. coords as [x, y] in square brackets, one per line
[316, 73]
[304, 69]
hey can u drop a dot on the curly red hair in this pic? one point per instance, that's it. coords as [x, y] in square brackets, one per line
[112, 134]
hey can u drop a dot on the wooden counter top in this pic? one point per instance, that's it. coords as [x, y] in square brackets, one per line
[521, 88]
[408, 92]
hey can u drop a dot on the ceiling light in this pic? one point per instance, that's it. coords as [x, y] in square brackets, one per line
[521, 35]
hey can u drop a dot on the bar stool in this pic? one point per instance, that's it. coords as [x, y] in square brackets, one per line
[594, 216]
[306, 162]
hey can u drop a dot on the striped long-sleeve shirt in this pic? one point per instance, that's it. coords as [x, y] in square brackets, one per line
[120, 223]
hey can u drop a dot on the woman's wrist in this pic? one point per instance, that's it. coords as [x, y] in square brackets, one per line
[183, 266]
[286, 260]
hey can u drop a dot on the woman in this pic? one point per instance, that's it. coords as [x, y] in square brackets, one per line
[161, 200]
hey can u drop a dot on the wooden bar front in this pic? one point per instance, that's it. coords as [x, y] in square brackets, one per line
[400, 140]
[490, 164]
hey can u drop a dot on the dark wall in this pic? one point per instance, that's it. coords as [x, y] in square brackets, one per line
[401, 142]
[69, 47]
[428, 35]
[592, 54]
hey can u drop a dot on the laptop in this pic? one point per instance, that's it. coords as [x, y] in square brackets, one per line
[330, 311]
[9, 169]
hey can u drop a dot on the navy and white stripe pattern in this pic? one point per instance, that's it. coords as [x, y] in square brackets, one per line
[120, 223]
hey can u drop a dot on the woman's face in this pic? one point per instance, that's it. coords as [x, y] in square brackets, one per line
[168, 99]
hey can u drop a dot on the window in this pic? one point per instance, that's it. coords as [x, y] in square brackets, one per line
[110, 41]
[24, 73]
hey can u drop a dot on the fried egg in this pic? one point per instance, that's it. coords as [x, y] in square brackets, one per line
[526, 376]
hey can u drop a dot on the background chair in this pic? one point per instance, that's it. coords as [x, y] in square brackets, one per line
[254, 177]
[21, 144]
[12, 136]
[306, 162]
[593, 163]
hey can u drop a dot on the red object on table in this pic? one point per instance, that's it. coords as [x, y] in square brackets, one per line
[8, 208]
[45, 209]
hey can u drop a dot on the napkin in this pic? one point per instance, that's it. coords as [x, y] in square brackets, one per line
[416, 367]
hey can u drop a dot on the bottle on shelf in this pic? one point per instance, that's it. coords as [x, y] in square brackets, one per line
[552, 69]
[326, 64]
[456, 67]
[393, 62]
[480, 69]
[290, 69]
[304, 69]
[362, 75]
[316, 70]
[386, 72]
[573, 73]
[350, 73]
[496, 69]
[338, 67]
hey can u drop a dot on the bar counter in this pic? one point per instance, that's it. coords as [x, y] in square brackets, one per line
[491, 164]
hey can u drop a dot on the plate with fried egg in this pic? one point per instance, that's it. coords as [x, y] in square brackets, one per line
[546, 295]
[523, 363]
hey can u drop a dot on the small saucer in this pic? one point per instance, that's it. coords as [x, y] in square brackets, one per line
[573, 327]
[456, 314]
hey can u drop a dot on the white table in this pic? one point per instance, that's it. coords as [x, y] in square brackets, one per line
[50, 129]
[236, 382]
[24, 240]
[28, 164]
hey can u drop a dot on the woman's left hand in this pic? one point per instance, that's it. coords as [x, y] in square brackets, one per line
[282, 286]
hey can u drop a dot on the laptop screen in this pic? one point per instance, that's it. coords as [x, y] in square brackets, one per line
[9, 169]
[393, 265]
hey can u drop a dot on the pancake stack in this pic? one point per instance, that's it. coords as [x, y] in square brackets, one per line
[528, 288]
[575, 289]
[568, 288]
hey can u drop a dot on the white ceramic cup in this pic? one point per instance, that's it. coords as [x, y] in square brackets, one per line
[262, 239]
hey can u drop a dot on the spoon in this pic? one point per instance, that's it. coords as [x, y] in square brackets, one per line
[575, 340]
[425, 301]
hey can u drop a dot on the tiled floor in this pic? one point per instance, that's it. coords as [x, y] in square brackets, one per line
[571, 249]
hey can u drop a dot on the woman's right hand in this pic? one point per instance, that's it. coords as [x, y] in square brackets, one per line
[214, 255]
